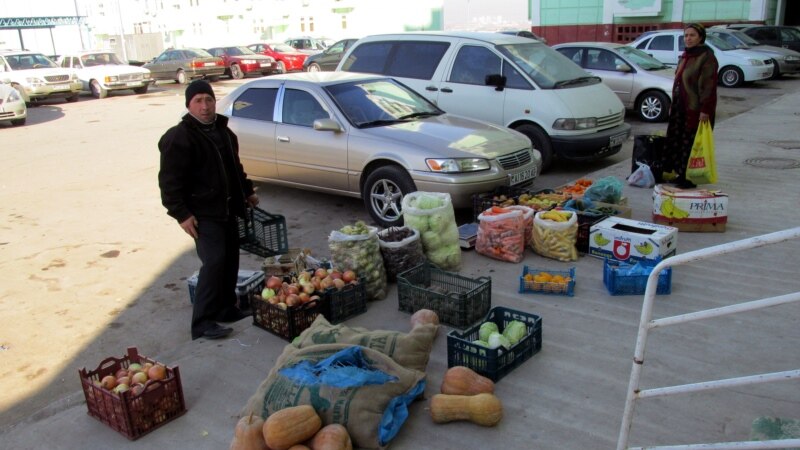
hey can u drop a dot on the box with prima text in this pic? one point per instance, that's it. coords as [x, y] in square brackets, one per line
[690, 209]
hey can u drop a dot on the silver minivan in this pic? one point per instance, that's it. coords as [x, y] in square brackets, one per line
[507, 80]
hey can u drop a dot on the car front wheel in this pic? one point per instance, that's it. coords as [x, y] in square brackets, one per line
[141, 90]
[731, 77]
[281, 67]
[383, 193]
[540, 141]
[653, 107]
[314, 67]
[97, 90]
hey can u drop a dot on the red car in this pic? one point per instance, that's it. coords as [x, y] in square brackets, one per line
[241, 62]
[288, 58]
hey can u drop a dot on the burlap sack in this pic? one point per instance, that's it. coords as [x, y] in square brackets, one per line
[359, 409]
[411, 350]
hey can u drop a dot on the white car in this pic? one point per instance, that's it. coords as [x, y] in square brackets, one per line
[36, 77]
[736, 66]
[642, 83]
[12, 107]
[102, 71]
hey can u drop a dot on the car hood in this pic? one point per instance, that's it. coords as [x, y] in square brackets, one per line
[746, 54]
[771, 49]
[112, 69]
[604, 101]
[461, 136]
[43, 72]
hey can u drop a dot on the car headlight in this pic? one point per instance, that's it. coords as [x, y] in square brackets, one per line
[111, 78]
[791, 58]
[583, 123]
[455, 165]
[74, 77]
[13, 96]
[755, 62]
[146, 76]
[248, 61]
[34, 81]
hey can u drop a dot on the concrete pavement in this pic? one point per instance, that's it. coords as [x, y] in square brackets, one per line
[571, 394]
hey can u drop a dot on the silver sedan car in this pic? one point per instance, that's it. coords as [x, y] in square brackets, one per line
[371, 137]
[643, 83]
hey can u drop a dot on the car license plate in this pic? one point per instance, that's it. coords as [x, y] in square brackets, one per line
[210, 64]
[266, 65]
[521, 176]
[617, 139]
[61, 87]
[133, 83]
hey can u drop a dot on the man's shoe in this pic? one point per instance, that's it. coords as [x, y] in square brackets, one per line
[235, 315]
[216, 332]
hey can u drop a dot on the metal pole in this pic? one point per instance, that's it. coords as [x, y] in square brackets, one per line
[80, 33]
[122, 33]
[21, 43]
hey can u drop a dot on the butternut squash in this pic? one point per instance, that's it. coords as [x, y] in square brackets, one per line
[460, 380]
[299, 447]
[482, 409]
[332, 437]
[248, 435]
[291, 426]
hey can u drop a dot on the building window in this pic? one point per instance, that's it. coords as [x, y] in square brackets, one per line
[311, 24]
[344, 22]
[302, 24]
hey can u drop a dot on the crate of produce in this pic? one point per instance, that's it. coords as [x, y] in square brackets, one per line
[631, 279]
[284, 321]
[262, 233]
[462, 349]
[143, 406]
[457, 300]
[542, 200]
[545, 281]
[294, 261]
[340, 305]
[249, 281]
[502, 196]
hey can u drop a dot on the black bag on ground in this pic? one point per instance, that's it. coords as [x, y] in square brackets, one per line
[648, 149]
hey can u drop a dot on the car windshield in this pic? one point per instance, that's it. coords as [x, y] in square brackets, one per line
[100, 59]
[282, 48]
[547, 67]
[732, 39]
[380, 102]
[239, 51]
[29, 61]
[718, 43]
[790, 33]
[198, 53]
[641, 58]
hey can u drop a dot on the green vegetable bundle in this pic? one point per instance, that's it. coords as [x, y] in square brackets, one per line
[432, 215]
[356, 247]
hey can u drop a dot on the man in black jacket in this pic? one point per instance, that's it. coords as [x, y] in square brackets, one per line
[204, 187]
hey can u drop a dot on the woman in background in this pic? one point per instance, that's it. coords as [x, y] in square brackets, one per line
[694, 99]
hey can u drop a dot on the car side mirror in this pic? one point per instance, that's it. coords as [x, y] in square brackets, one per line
[327, 125]
[496, 80]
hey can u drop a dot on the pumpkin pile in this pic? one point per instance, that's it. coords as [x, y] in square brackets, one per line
[292, 428]
[466, 395]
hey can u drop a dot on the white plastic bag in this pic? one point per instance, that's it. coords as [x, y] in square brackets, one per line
[642, 176]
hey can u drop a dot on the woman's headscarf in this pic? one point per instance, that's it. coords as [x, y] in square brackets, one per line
[701, 30]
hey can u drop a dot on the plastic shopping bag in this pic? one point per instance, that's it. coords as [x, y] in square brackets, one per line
[642, 177]
[701, 168]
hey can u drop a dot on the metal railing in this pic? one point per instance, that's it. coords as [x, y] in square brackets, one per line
[646, 324]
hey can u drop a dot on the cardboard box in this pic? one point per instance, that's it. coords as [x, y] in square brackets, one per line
[632, 240]
[690, 209]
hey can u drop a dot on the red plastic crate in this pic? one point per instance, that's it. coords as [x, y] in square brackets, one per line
[133, 416]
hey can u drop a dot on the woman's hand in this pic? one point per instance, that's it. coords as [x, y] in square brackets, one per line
[253, 200]
[704, 117]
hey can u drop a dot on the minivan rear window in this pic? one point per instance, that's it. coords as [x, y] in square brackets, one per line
[407, 59]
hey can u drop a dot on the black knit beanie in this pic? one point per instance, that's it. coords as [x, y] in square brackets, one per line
[198, 87]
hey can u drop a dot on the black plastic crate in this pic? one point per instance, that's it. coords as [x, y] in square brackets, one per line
[495, 363]
[634, 284]
[287, 322]
[248, 282]
[457, 300]
[585, 222]
[131, 415]
[338, 306]
[262, 233]
[482, 202]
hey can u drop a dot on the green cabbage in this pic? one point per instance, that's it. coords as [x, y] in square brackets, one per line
[438, 222]
[515, 331]
[496, 340]
[428, 201]
[486, 329]
[419, 223]
[431, 240]
[481, 343]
